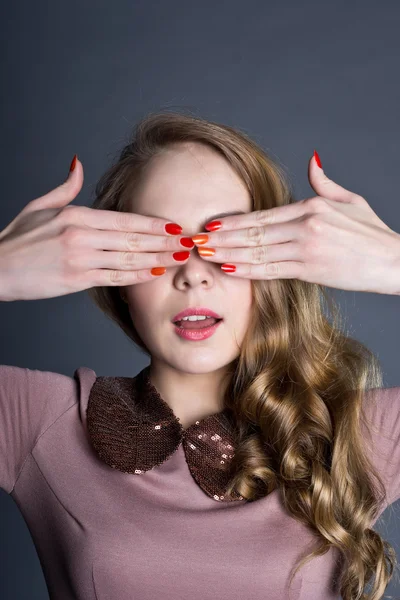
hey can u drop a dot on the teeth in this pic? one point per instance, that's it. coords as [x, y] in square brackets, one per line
[194, 318]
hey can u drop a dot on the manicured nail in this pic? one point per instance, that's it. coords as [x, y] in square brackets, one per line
[206, 251]
[158, 270]
[213, 225]
[73, 164]
[228, 268]
[317, 158]
[187, 242]
[173, 228]
[201, 238]
[181, 255]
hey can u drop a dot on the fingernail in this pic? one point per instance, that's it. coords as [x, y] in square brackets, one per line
[201, 238]
[73, 164]
[158, 270]
[213, 225]
[206, 251]
[228, 268]
[317, 158]
[181, 255]
[187, 242]
[173, 228]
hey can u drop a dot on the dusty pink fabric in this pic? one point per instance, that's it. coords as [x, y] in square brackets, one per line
[102, 534]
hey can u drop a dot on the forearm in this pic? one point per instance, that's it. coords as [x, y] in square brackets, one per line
[396, 271]
[5, 291]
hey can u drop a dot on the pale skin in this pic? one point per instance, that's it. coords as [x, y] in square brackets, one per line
[52, 248]
[334, 238]
[193, 183]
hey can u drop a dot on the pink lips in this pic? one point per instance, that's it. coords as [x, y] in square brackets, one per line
[197, 334]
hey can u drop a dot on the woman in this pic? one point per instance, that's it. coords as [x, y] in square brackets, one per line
[250, 459]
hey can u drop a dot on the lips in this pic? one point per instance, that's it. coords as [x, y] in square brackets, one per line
[201, 324]
[201, 310]
[198, 334]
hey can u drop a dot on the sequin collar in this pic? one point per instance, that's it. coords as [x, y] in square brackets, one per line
[133, 429]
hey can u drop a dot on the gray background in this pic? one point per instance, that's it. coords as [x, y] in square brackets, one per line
[76, 77]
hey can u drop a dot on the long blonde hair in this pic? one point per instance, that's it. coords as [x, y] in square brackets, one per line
[296, 389]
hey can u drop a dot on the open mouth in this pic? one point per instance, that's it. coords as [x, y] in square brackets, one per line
[201, 324]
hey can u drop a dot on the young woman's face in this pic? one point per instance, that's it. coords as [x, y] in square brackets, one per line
[189, 185]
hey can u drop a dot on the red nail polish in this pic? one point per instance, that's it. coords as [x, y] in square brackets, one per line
[213, 225]
[228, 268]
[73, 164]
[173, 228]
[317, 158]
[187, 242]
[181, 255]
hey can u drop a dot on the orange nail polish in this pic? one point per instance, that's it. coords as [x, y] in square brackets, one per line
[206, 251]
[158, 270]
[201, 238]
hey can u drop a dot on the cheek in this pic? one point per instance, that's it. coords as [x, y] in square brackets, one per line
[145, 303]
[240, 296]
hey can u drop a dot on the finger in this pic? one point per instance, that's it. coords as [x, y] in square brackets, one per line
[61, 195]
[255, 236]
[260, 218]
[256, 256]
[125, 241]
[120, 221]
[116, 277]
[325, 187]
[134, 261]
[274, 270]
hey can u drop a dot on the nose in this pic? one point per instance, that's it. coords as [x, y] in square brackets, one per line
[195, 271]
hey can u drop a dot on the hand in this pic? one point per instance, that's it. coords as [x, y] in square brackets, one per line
[51, 249]
[334, 239]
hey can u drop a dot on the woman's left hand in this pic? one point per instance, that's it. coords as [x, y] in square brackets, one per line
[334, 239]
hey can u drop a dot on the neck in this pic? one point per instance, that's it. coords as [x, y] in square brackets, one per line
[191, 396]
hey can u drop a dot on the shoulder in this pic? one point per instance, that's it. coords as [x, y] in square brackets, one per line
[382, 407]
[380, 423]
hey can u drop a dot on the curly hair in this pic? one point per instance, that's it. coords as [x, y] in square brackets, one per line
[296, 389]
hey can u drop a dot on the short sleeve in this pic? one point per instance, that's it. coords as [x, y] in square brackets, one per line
[30, 401]
[382, 412]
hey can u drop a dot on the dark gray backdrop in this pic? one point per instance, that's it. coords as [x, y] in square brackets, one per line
[295, 76]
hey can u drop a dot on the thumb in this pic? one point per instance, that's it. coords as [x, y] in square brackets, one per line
[65, 192]
[323, 186]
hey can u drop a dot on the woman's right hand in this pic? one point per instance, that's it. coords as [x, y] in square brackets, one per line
[51, 249]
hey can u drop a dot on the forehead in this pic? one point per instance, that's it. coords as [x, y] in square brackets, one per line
[195, 173]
